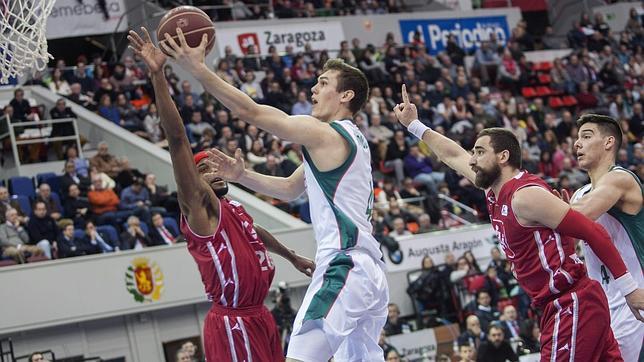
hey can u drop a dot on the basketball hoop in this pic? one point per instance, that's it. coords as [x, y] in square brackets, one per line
[23, 42]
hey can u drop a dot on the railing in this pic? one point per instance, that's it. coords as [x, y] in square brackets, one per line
[6, 350]
[36, 132]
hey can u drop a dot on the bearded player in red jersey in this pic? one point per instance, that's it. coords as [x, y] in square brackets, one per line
[230, 251]
[536, 230]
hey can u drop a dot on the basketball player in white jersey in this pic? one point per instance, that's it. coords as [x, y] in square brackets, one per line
[345, 306]
[614, 199]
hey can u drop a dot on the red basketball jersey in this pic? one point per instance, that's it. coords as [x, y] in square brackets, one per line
[235, 267]
[544, 263]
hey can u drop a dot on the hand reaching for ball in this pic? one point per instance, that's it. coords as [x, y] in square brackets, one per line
[151, 55]
[188, 58]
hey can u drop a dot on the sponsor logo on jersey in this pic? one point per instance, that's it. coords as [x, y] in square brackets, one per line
[504, 210]
[144, 280]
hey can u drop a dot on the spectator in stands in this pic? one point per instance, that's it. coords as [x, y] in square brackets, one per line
[400, 229]
[105, 162]
[496, 348]
[509, 72]
[486, 61]
[7, 203]
[42, 228]
[471, 260]
[21, 108]
[189, 107]
[58, 84]
[396, 152]
[272, 167]
[473, 334]
[391, 355]
[394, 324]
[382, 342]
[71, 177]
[15, 242]
[395, 211]
[484, 310]
[76, 207]
[500, 265]
[103, 202]
[182, 356]
[509, 323]
[80, 97]
[462, 270]
[159, 234]
[81, 164]
[198, 127]
[61, 111]
[302, 106]
[425, 224]
[493, 285]
[252, 87]
[419, 167]
[466, 352]
[68, 245]
[152, 124]
[186, 90]
[37, 357]
[134, 237]
[530, 337]
[108, 110]
[45, 196]
[576, 176]
[191, 349]
[136, 198]
[120, 80]
[97, 242]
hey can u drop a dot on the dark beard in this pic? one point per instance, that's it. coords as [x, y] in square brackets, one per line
[485, 178]
[221, 192]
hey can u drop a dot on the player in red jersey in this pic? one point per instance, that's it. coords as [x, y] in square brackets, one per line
[536, 230]
[230, 251]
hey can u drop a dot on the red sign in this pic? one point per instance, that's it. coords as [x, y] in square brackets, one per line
[247, 39]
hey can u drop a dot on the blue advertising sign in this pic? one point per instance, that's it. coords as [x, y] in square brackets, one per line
[469, 32]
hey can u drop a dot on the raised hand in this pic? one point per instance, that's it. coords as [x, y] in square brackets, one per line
[223, 166]
[190, 59]
[406, 111]
[151, 55]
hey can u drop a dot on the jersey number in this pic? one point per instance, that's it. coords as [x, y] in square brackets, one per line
[605, 276]
[263, 257]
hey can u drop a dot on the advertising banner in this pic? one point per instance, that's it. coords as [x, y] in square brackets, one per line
[469, 32]
[72, 18]
[321, 35]
[416, 346]
[478, 239]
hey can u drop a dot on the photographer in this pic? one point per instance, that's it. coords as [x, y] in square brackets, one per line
[283, 313]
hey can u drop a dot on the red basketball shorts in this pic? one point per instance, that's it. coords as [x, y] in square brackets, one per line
[576, 326]
[241, 334]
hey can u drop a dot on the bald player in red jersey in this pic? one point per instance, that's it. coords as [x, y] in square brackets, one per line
[536, 231]
[229, 249]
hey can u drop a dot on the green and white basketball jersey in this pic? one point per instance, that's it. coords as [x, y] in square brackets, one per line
[341, 199]
[627, 232]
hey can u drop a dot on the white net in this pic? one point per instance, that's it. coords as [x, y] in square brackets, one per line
[23, 42]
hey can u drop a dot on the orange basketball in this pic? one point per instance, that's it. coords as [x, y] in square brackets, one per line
[193, 23]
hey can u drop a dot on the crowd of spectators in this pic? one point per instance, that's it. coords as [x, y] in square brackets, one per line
[603, 73]
[101, 205]
[498, 324]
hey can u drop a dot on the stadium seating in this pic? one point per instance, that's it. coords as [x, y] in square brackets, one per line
[20, 185]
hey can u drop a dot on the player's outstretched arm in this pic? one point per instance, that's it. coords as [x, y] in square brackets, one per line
[196, 198]
[537, 206]
[448, 151]
[234, 170]
[609, 190]
[305, 130]
[304, 265]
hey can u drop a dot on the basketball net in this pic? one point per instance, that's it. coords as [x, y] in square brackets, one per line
[23, 42]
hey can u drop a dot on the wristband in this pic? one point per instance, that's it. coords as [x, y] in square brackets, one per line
[626, 284]
[417, 128]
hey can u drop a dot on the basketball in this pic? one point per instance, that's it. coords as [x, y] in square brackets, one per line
[192, 21]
